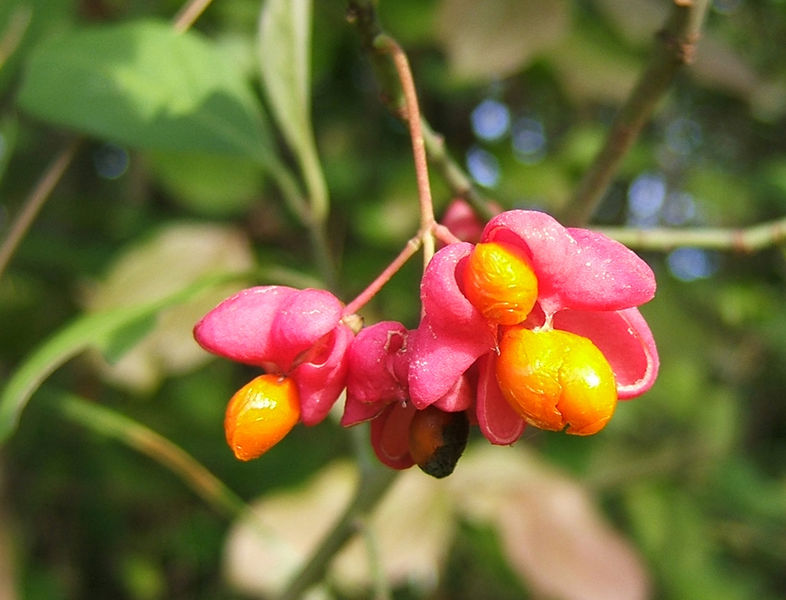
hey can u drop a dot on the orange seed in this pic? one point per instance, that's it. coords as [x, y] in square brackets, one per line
[500, 283]
[260, 415]
[555, 379]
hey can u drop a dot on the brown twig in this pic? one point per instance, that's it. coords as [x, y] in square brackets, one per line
[188, 14]
[675, 46]
[387, 44]
[458, 181]
[363, 15]
[412, 246]
[36, 200]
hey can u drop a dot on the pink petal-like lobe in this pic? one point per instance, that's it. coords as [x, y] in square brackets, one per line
[360, 412]
[239, 328]
[267, 324]
[498, 422]
[452, 333]
[576, 268]
[606, 275]
[390, 435]
[378, 364]
[321, 379]
[459, 398]
[306, 317]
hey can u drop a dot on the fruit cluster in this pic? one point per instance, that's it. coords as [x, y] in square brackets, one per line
[535, 324]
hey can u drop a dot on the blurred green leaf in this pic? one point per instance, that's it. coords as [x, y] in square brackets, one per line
[208, 184]
[496, 38]
[284, 47]
[144, 85]
[120, 341]
[190, 252]
[675, 532]
[94, 330]
[613, 70]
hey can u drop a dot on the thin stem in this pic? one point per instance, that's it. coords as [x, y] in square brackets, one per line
[381, 585]
[675, 47]
[388, 44]
[413, 245]
[136, 436]
[371, 488]
[36, 200]
[107, 422]
[748, 239]
[13, 34]
[444, 234]
[362, 13]
[189, 13]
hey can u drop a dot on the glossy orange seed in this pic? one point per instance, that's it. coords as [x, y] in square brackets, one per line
[260, 415]
[500, 283]
[556, 379]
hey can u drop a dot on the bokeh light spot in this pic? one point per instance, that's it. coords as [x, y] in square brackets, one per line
[683, 136]
[679, 209]
[529, 140]
[645, 199]
[690, 264]
[490, 120]
[726, 7]
[483, 166]
[110, 161]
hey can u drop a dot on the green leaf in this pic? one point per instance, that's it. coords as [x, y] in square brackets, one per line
[120, 341]
[191, 252]
[208, 184]
[284, 46]
[93, 330]
[146, 86]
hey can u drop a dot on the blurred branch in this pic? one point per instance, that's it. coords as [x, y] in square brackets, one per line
[14, 32]
[363, 15]
[372, 486]
[36, 200]
[374, 482]
[381, 586]
[107, 422]
[749, 239]
[675, 47]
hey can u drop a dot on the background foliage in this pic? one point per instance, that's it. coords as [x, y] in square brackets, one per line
[185, 188]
